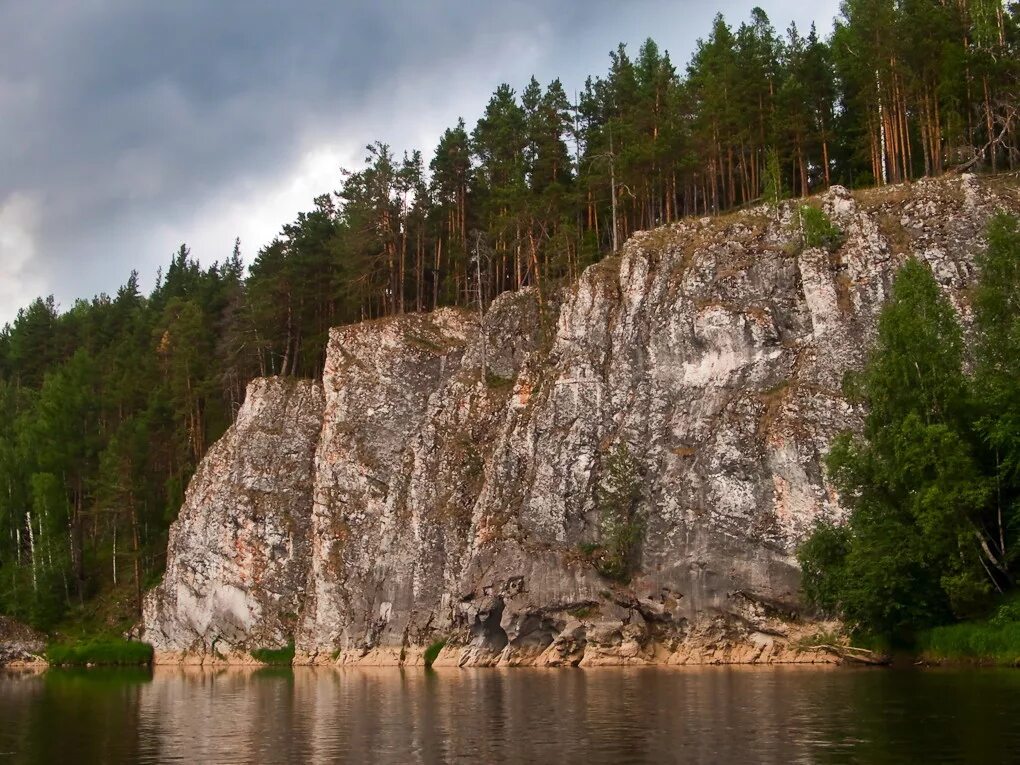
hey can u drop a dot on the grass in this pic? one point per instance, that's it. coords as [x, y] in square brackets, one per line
[275, 657]
[99, 652]
[108, 614]
[432, 652]
[977, 642]
[995, 640]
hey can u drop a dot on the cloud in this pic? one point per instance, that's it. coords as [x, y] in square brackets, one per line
[20, 215]
[143, 124]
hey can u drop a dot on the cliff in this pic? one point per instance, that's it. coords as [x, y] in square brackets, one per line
[239, 550]
[413, 499]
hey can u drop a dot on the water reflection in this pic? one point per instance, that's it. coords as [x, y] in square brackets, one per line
[713, 715]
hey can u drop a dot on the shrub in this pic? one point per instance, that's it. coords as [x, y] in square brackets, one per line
[1007, 612]
[819, 231]
[496, 382]
[432, 652]
[621, 525]
[275, 657]
[101, 652]
[774, 189]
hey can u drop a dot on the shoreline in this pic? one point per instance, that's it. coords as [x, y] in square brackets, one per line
[470, 657]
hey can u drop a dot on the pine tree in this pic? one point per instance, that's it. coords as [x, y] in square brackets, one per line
[452, 175]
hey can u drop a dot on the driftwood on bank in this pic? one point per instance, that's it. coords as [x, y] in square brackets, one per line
[853, 654]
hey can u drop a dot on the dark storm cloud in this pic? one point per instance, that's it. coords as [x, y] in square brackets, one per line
[130, 126]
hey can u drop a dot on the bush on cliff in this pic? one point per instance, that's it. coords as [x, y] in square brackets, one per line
[432, 653]
[275, 657]
[818, 230]
[621, 524]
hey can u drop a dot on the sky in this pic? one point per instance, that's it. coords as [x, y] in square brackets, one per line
[128, 127]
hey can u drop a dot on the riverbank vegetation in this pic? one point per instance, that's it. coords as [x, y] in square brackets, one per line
[432, 652]
[931, 548]
[107, 407]
[984, 643]
[275, 657]
[99, 652]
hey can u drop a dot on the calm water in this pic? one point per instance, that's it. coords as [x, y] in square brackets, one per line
[713, 715]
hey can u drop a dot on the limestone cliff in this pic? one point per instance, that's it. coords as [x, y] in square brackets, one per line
[444, 504]
[238, 553]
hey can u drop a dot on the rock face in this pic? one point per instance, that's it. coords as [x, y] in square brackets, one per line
[238, 553]
[447, 504]
[20, 646]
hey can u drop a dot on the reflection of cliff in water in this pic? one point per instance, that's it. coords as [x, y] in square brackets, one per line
[695, 715]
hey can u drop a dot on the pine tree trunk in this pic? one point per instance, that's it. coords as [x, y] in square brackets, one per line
[136, 550]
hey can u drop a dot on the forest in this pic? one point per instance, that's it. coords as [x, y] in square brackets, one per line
[107, 407]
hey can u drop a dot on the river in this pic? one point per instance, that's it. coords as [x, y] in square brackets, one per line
[703, 715]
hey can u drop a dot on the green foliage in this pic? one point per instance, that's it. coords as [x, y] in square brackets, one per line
[1007, 612]
[982, 642]
[997, 310]
[774, 191]
[931, 484]
[584, 612]
[822, 558]
[819, 231]
[99, 652]
[105, 411]
[276, 657]
[907, 558]
[621, 523]
[432, 652]
[495, 382]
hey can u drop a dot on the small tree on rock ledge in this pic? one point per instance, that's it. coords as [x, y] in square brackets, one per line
[621, 524]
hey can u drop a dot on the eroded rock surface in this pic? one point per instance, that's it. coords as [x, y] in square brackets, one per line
[442, 504]
[240, 550]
